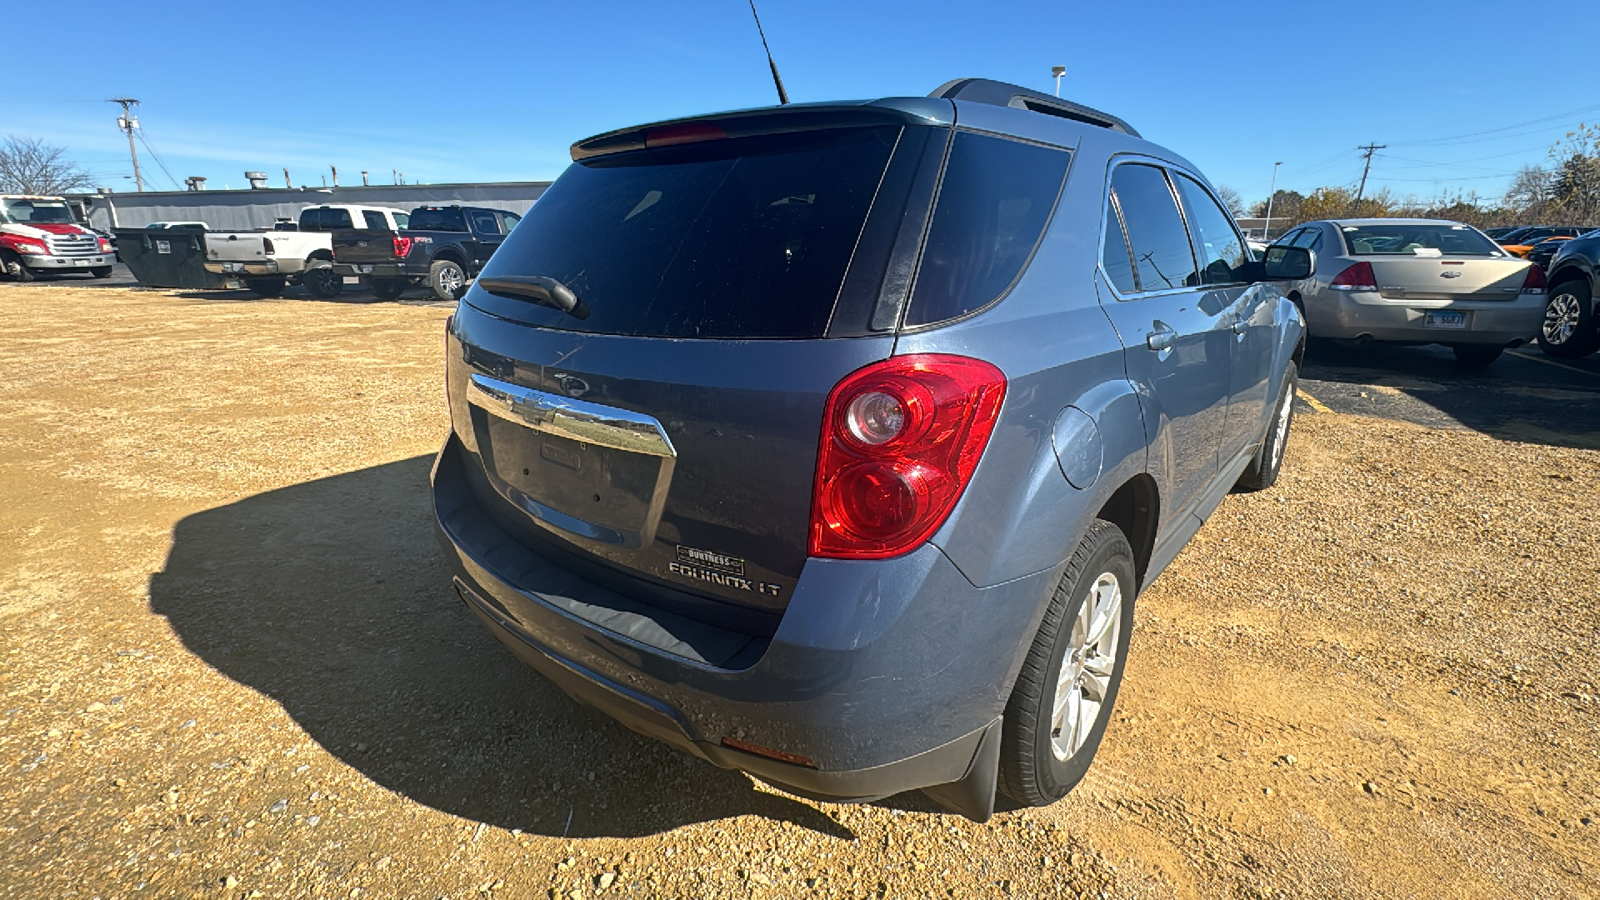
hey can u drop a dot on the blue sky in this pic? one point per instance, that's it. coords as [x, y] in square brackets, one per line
[497, 91]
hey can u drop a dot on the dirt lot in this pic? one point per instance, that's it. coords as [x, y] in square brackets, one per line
[232, 665]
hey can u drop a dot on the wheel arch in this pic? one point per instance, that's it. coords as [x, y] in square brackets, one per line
[1135, 507]
[450, 254]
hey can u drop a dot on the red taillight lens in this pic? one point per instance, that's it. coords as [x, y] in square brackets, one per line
[900, 439]
[267, 248]
[1358, 277]
[1534, 282]
[402, 247]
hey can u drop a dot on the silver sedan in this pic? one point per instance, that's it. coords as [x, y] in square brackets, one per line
[1416, 281]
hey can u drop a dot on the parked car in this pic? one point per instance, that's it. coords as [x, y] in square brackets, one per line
[1524, 244]
[1501, 231]
[1541, 253]
[41, 235]
[443, 248]
[1416, 281]
[178, 226]
[1568, 329]
[269, 260]
[833, 442]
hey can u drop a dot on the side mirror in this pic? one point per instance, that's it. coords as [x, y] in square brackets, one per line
[1287, 264]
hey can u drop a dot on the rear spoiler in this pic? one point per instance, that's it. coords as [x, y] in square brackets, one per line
[770, 120]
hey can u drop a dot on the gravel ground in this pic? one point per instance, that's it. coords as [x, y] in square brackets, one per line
[232, 666]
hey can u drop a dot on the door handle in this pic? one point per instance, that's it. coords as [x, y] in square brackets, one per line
[1162, 338]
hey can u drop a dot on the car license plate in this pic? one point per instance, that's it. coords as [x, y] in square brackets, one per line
[163, 247]
[365, 270]
[82, 262]
[1444, 320]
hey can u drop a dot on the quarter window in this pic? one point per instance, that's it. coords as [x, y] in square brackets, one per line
[993, 205]
[1163, 259]
[1220, 248]
[1309, 238]
[374, 220]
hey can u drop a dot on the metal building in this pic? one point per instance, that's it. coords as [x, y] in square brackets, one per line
[242, 210]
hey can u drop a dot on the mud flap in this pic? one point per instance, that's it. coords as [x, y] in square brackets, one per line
[973, 795]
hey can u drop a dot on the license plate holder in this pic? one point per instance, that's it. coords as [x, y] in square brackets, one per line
[1444, 319]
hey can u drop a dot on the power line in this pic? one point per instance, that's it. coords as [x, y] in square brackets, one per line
[1472, 134]
[163, 165]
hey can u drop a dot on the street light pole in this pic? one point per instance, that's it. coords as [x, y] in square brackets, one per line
[1272, 192]
[1056, 72]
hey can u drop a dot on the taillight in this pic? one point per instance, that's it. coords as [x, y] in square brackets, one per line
[1534, 282]
[900, 439]
[402, 247]
[1358, 277]
[267, 248]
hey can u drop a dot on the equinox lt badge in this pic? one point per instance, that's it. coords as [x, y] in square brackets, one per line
[717, 568]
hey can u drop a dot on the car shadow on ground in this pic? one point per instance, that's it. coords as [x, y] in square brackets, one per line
[331, 598]
[1523, 397]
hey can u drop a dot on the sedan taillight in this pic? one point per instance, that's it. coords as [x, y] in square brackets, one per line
[1358, 277]
[1534, 282]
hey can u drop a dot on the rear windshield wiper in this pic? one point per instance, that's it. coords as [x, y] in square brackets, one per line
[541, 290]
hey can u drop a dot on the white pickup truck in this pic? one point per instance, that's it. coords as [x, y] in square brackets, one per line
[268, 260]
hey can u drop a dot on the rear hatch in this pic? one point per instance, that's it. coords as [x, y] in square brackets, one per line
[720, 277]
[1436, 261]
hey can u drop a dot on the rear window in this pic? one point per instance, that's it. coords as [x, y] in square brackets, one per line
[437, 220]
[993, 204]
[727, 239]
[1421, 239]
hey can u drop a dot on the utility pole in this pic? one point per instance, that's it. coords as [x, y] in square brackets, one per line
[335, 170]
[1370, 149]
[286, 182]
[364, 178]
[128, 122]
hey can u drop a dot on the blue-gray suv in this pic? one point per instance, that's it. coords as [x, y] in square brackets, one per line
[833, 442]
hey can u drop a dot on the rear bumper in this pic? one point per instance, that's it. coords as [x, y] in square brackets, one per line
[257, 269]
[1369, 314]
[372, 270]
[888, 676]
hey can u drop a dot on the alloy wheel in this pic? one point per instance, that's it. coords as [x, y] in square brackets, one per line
[1091, 656]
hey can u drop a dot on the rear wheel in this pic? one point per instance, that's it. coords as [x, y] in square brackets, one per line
[386, 289]
[1476, 356]
[1263, 470]
[101, 271]
[1569, 330]
[446, 280]
[266, 287]
[1062, 701]
[322, 281]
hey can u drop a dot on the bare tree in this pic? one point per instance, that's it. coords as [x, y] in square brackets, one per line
[30, 166]
[1231, 199]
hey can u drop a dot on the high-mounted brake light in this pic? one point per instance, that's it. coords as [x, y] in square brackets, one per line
[1534, 282]
[1358, 277]
[685, 133]
[402, 247]
[900, 439]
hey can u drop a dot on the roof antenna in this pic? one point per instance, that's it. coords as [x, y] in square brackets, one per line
[783, 96]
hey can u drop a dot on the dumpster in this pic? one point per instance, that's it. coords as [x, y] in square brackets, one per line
[168, 258]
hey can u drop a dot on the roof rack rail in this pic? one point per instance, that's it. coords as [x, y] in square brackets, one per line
[999, 93]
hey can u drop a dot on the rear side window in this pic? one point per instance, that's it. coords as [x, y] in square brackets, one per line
[402, 220]
[1219, 246]
[483, 222]
[1115, 256]
[438, 220]
[374, 219]
[1162, 257]
[1309, 239]
[1417, 239]
[725, 239]
[994, 203]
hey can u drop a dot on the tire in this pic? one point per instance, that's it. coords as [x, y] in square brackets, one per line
[1476, 356]
[446, 280]
[266, 287]
[1264, 467]
[100, 272]
[386, 289]
[1569, 330]
[322, 282]
[1038, 766]
[12, 265]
